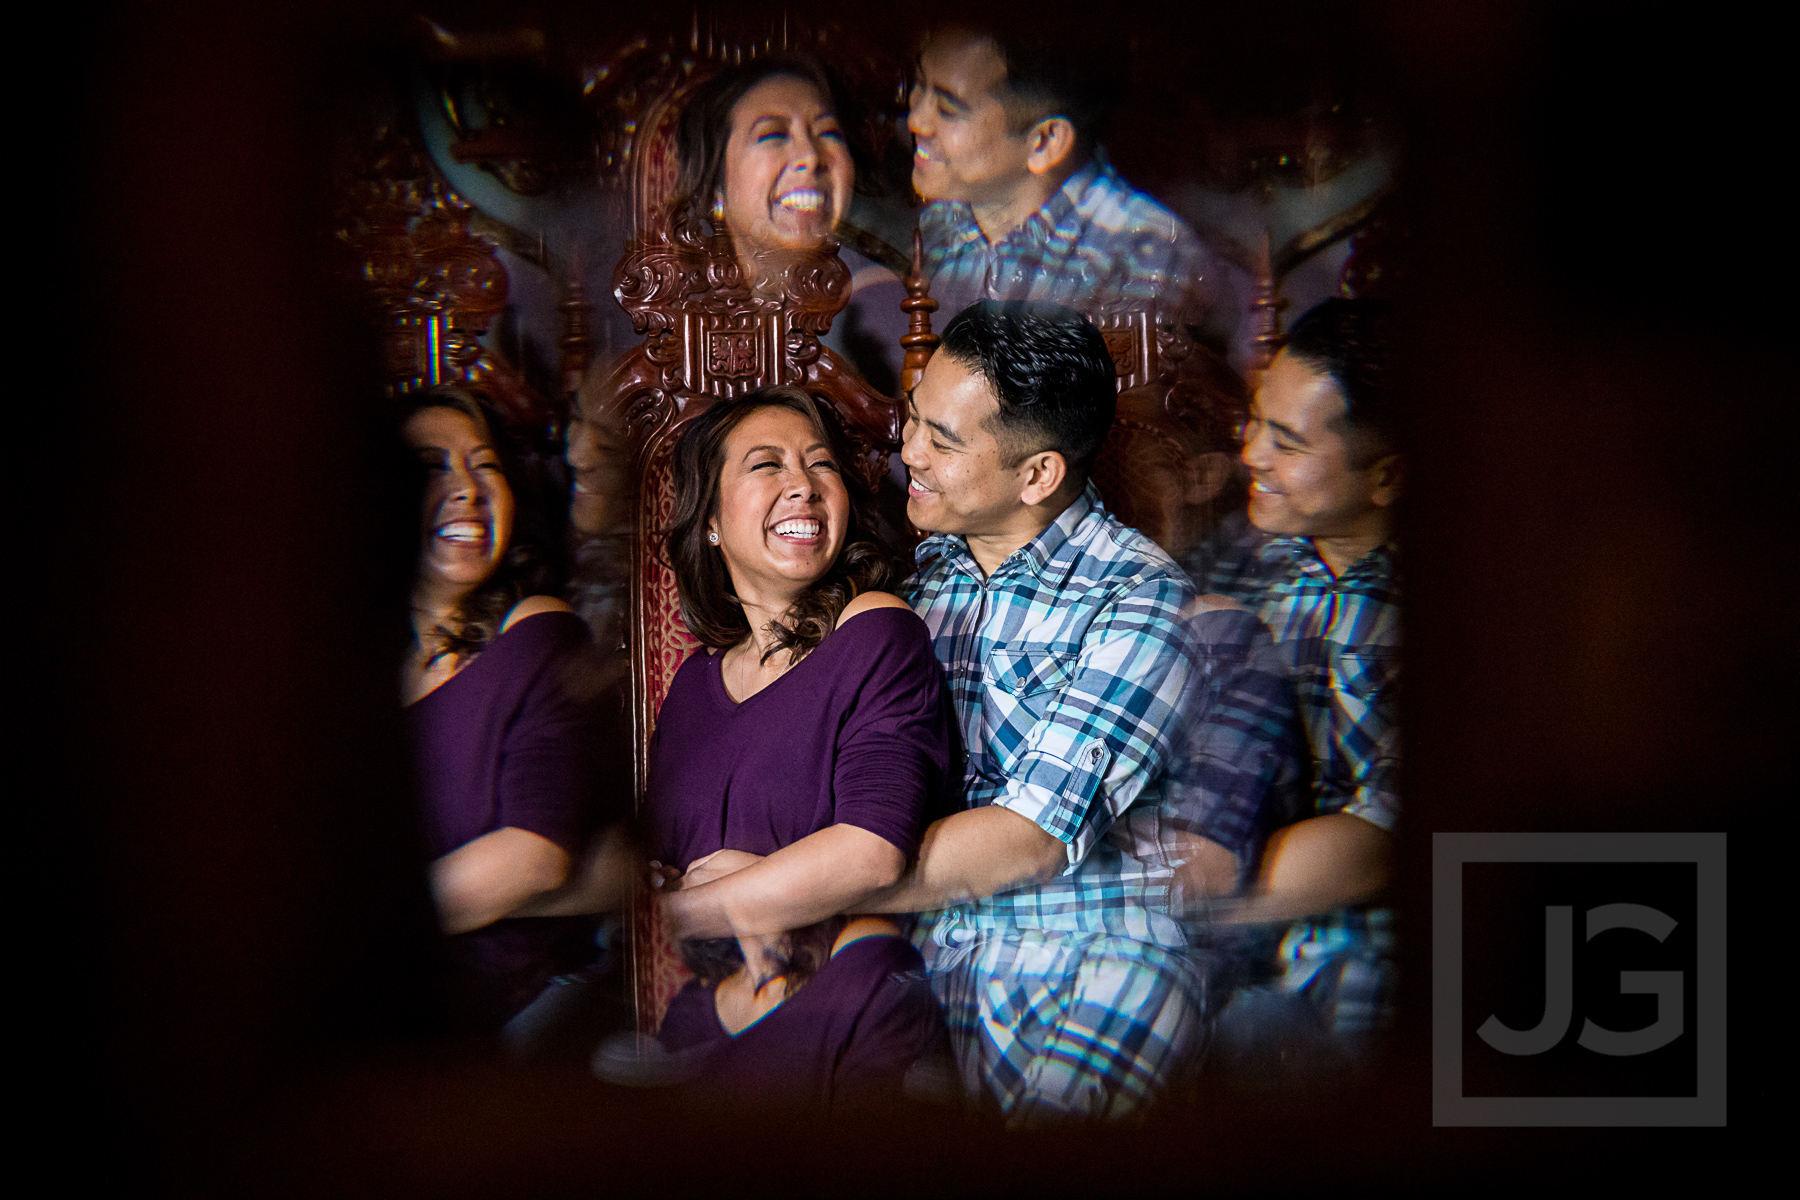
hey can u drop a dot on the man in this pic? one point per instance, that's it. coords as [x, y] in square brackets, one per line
[1057, 952]
[1325, 478]
[1021, 202]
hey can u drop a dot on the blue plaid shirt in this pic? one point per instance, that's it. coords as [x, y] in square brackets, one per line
[1067, 672]
[1340, 639]
[1097, 240]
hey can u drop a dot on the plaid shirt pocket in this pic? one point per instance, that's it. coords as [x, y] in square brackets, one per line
[1366, 671]
[1026, 673]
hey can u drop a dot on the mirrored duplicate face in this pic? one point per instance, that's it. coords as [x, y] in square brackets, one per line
[957, 478]
[1311, 475]
[468, 503]
[962, 150]
[599, 465]
[783, 509]
[788, 173]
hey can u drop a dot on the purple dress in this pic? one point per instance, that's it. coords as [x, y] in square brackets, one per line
[512, 740]
[856, 733]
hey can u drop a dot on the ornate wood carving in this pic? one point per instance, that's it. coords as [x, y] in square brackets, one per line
[438, 282]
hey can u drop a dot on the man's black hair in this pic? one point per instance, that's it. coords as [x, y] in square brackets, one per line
[1050, 371]
[1050, 74]
[1351, 341]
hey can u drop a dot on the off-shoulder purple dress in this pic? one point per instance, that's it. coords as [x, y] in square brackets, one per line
[858, 732]
[515, 739]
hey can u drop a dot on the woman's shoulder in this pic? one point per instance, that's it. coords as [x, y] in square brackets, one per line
[880, 624]
[871, 602]
[538, 627]
[534, 606]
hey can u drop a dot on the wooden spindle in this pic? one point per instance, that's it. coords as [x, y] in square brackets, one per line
[1265, 313]
[918, 341]
[576, 342]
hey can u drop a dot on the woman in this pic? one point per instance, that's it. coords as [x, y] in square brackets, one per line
[765, 158]
[500, 701]
[809, 739]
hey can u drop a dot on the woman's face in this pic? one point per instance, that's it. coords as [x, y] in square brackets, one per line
[783, 509]
[788, 173]
[468, 503]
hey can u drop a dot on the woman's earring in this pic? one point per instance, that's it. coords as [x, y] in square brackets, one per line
[718, 208]
[713, 537]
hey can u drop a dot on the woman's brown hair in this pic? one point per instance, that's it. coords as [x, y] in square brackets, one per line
[708, 606]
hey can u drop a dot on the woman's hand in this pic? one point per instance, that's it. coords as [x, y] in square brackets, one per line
[663, 879]
[716, 865]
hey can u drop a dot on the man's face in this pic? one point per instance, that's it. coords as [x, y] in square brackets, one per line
[962, 149]
[1311, 475]
[957, 478]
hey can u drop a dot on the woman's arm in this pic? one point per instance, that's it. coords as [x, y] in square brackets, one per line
[819, 876]
[482, 881]
[601, 884]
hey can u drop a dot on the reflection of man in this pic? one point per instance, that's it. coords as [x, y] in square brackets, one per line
[1320, 446]
[1062, 970]
[1022, 205]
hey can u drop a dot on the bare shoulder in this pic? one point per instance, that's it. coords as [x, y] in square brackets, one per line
[531, 606]
[1212, 602]
[871, 600]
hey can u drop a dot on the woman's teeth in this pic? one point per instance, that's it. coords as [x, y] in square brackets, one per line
[803, 200]
[798, 529]
[463, 531]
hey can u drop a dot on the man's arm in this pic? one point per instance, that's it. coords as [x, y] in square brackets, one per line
[970, 855]
[1101, 739]
[1314, 866]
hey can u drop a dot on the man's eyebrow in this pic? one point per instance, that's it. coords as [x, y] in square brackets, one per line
[949, 97]
[949, 434]
[1286, 431]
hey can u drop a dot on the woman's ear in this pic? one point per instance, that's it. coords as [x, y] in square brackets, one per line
[1049, 145]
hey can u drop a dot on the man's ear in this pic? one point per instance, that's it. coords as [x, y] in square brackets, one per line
[1387, 475]
[1041, 476]
[1049, 144]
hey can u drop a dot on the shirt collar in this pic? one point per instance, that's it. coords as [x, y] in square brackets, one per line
[1376, 564]
[959, 226]
[1041, 556]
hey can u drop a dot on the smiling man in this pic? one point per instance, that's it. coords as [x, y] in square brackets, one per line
[1065, 977]
[1021, 202]
[1321, 447]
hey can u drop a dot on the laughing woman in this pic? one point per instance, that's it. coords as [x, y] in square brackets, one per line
[765, 157]
[500, 697]
[794, 763]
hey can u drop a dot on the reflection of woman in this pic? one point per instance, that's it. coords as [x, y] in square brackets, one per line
[812, 732]
[764, 155]
[498, 691]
